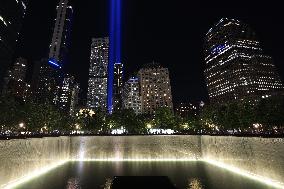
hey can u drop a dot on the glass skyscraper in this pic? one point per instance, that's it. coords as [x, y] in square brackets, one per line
[236, 66]
[98, 74]
[60, 39]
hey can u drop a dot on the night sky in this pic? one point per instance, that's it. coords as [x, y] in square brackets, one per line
[170, 32]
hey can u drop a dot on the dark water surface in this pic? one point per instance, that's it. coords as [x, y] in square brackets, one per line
[94, 175]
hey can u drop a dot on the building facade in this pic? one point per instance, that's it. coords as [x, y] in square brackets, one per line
[15, 81]
[117, 86]
[155, 88]
[236, 66]
[98, 74]
[12, 14]
[74, 99]
[46, 81]
[131, 95]
[66, 90]
[60, 38]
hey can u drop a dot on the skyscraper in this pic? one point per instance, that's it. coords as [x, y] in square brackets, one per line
[46, 80]
[11, 18]
[74, 99]
[65, 95]
[155, 88]
[61, 33]
[15, 83]
[98, 74]
[117, 86]
[131, 95]
[19, 70]
[236, 67]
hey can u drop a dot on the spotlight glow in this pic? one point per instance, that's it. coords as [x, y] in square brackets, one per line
[247, 174]
[37, 173]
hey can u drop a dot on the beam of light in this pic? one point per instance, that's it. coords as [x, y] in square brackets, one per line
[33, 175]
[247, 174]
[114, 47]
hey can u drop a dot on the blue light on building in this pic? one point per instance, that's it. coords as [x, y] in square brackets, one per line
[115, 47]
[53, 62]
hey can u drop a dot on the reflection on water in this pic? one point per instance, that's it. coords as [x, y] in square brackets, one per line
[99, 175]
[194, 184]
[73, 183]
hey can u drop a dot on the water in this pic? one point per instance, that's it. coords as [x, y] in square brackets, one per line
[93, 175]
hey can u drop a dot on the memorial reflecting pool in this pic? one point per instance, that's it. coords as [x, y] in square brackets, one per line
[94, 175]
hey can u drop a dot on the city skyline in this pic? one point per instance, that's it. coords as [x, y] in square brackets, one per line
[186, 68]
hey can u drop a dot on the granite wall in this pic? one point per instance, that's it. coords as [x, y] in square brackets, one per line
[264, 157]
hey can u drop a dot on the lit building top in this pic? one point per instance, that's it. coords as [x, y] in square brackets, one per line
[236, 66]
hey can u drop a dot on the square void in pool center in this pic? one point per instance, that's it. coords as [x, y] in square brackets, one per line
[181, 175]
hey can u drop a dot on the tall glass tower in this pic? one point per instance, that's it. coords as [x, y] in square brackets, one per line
[236, 67]
[60, 39]
[98, 74]
[11, 18]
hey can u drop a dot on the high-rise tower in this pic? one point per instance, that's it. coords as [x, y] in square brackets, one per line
[155, 88]
[11, 18]
[131, 95]
[60, 39]
[117, 86]
[236, 67]
[98, 74]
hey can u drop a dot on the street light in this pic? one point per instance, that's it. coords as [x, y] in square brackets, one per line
[21, 125]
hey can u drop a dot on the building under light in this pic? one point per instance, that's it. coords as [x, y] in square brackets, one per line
[131, 95]
[155, 88]
[236, 67]
[61, 34]
[12, 14]
[98, 74]
[117, 86]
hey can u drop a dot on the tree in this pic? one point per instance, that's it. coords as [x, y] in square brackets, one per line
[165, 119]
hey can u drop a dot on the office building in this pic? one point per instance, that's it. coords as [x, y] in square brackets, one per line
[155, 88]
[117, 86]
[236, 66]
[74, 99]
[131, 95]
[66, 93]
[61, 34]
[98, 74]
